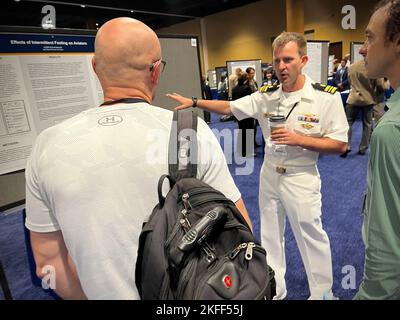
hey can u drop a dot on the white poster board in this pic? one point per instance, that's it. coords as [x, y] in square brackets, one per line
[330, 65]
[44, 80]
[212, 79]
[317, 66]
[354, 51]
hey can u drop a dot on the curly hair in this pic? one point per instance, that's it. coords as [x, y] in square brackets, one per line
[393, 21]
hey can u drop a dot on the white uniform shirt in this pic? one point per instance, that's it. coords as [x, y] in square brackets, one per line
[95, 177]
[317, 114]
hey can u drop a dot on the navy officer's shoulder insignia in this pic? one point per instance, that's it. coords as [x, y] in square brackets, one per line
[269, 88]
[324, 88]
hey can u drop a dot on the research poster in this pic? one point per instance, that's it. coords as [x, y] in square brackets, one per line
[330, 65]
[313, 66]
[44, 79]
[355, 51]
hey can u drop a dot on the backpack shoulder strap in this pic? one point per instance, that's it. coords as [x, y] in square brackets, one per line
[182, 153]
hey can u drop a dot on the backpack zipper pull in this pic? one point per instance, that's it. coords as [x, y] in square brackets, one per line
[249, 251]
[209, 252]
[185, 200]
[236, 251]
[185, 221]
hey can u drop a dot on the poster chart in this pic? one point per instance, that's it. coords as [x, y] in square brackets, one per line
[317, 65]
[212, 79]
[44, 79]
[330, 65]
[355, 51]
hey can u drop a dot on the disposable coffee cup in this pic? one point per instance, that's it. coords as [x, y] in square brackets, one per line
[277, 122]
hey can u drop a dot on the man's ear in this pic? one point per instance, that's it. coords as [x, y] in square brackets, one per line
[155, 74]
[304, 60]
[396, 42]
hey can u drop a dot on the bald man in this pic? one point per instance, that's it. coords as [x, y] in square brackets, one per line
[91, 180]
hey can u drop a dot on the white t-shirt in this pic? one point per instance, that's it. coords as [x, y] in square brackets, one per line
[317, 114]
[94, 177]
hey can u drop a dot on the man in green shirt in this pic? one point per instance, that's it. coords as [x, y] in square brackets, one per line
[381, 228]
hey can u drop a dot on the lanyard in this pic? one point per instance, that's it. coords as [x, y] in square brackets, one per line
[123, 100]
[287, 117]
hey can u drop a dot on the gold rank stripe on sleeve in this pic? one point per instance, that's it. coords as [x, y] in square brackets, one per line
[268, 88]
[324, 87]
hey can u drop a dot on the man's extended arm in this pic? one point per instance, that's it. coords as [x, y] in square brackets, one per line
[49, 250]
[217, 106]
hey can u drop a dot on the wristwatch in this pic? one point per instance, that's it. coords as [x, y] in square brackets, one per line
[194, 100]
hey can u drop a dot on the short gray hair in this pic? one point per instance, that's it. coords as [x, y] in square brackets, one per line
[286, 37]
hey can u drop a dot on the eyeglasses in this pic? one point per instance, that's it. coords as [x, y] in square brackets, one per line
[155, 64]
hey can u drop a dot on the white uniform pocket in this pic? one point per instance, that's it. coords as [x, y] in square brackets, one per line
[308, 128]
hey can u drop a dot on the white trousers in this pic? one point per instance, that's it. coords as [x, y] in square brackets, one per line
[297, 196]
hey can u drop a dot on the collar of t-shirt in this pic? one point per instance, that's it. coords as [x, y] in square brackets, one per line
[123, 100]
[394, 99]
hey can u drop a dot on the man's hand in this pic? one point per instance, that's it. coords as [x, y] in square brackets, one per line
[221, 107]
[318, 144]
[184, 102]
[290, 138]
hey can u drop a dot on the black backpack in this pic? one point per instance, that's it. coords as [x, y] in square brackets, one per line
[196, 244]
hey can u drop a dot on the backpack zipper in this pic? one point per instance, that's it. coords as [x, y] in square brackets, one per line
[249, 246]
[187, 197]
[200, 190]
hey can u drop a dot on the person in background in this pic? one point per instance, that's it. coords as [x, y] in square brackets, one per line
[340, 80]
[335, 66]
[269, 79]
[233, 80]
[252, 82]
[381, 211]
[379, 109]
[347, 57]
[363, 98]
[207, 95]
[91, 180]
[289, 179]
[254, 87]
[246, 126]
[223, 88]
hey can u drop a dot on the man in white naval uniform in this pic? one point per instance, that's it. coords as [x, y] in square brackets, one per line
[289, 179]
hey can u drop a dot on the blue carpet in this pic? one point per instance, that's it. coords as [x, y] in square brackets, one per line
[17, 265]
[343, 182]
